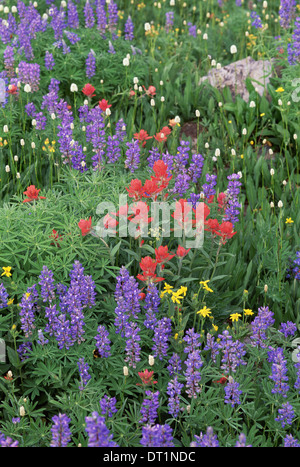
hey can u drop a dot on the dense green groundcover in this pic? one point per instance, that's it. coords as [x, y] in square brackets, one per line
[142, 339]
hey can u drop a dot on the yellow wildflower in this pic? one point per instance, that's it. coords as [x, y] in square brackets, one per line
[280, 89]
[204, 312]
[10, 301]
[6, 271]
[289, 220]
[235, 316]
[248, 312]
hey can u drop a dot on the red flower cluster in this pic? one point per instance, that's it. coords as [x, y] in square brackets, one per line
[104, 105]
[146, 377]
[33, 193]
[152, 187]
[85, 226]
[88, 90]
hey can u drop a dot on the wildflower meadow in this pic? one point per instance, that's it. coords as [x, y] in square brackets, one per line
[150, 224]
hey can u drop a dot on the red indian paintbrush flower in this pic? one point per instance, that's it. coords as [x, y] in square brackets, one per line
[181, 251]
[88, 90]
[162, 254]
[104, 105]
[161, 174]
[151, 91]
[56, 238]
[135, 189]
[12, 89]
[142, 136]
[146, 377]
[85, 226]
[33, 193]
[226, 231]
[148, 266]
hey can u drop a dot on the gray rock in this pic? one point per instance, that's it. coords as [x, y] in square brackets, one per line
[235, 74]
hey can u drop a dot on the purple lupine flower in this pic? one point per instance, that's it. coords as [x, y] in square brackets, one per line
[213, 346]
[108, 406]
[49, 61]
[75, 310]
[58, 21]
[288, 329]
[111, 49]
[294, 270]
[101, 17]
[232, 392]
[233, 352]
[287, 13]
[208, 187]
[194, 199]
[62, 331]
[95, 134]
[133, 154]
[112, 10]
[127, 298]
[90, 64]
[15, 420]
[169, 21]
[241, 442]
[192, 30]
[83, 373]
[174, 391]
[297, 366]
[208, 440]
[157, 436]
[9, 61]
[78, 158]
[113, 149]
[279, 371]
[61, 433]
[195, 168]
[285, 414]
[133, 347]
[152, 302]
[293, 48]
[41, 339]
[129, 29]
[260, 325]
[192, 374]
[154, 155]
[47, 285]
[73, 18]
[29, 73]
[23, 350]
[30, 109]
[51, 314]
[103, 342]
[149, 407]
[98, 434]
[291, 442]
[182, 183]
[256, 23]
[8, 442]
[192, 341]
[3, 296]
[89, 15]
[232, 206]
[182, 156]
[161, 336]
[28, 307]
[174, 366]
[120, 130]
[72, 37]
